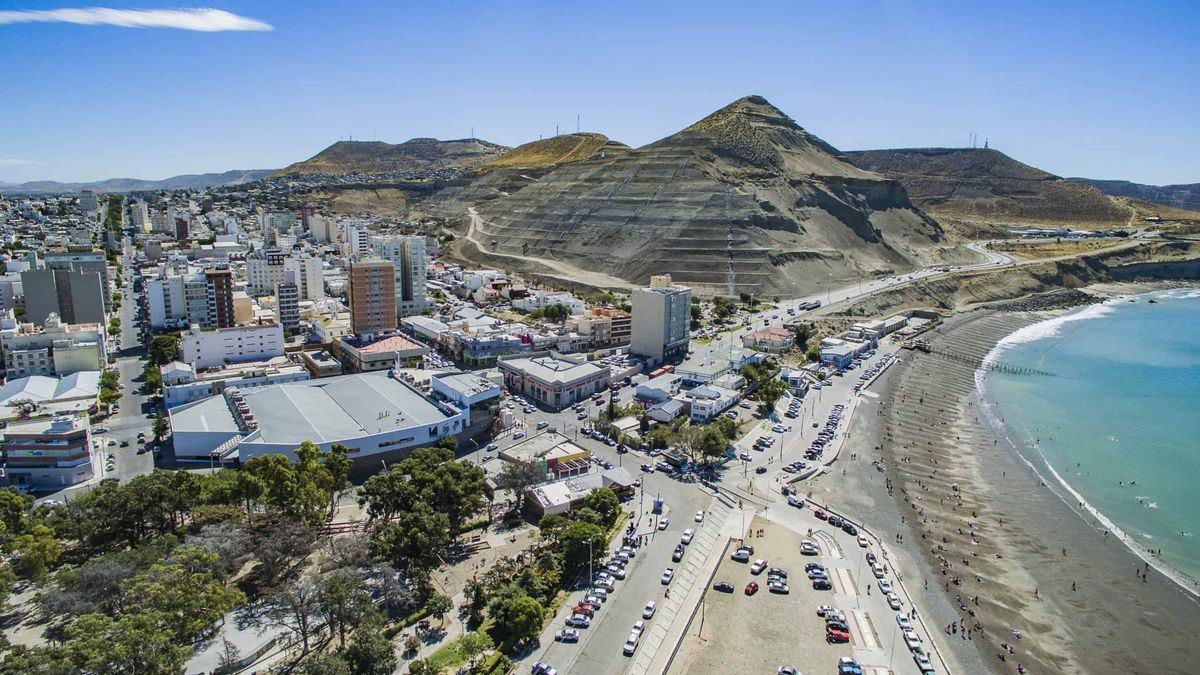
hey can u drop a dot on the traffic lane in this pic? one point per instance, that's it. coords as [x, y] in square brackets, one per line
[603, 652]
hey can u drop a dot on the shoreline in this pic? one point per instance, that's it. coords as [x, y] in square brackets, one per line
[1039, 463]
[1027, 556]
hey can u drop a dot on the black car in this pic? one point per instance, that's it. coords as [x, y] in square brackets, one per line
[835, 521]
[761, 469]
[838, 624]
[822, 585]
[813, 566]
[850, 530]
[678, 554]
[870, 558]
[723, 586]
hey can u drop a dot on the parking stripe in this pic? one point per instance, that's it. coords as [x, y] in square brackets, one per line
[865, 632]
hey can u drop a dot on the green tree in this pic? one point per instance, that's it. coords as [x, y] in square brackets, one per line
[770, 391]
[413, 539]
[573, 546]
[187, 602]
[370, 653]
[14, 512]
[35, 552]
[519, 619]
[345, 603]
[439, 605]
[518, 476]
[109, 379]
[472, 645]
[163, 350]
[603, 501]
[152, 378]
[814, 354]
[418, 667]
[323, 664]
[132, 643]
[161, 426]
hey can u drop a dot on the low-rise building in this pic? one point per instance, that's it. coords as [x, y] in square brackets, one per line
[76, 392]
[561, 496]
[182, 384]
[553, 381]
[773, 339]
[53, 349]
[48, 454]
[709, 401]
[321, 363]
[380, 352]
[214, 348]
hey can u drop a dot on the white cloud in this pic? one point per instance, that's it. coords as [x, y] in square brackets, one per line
[18, 162]
[199, 19]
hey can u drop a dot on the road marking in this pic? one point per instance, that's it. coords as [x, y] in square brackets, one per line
[847, 582]
[864, 630]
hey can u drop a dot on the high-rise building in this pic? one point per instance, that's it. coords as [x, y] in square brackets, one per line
[323, 230]
[219, 287]
[287, 300]
[160, 221]
[264, 271]
[407, 254]
[89, 205]
[661, 322]
[358, 239]
[74, 296]
[310, 275]
[372, 296]
[139, 216]
[83, 259]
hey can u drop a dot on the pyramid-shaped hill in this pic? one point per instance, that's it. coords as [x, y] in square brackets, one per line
[744, 200]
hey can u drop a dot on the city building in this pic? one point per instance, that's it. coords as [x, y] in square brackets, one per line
[217, 348]
[407, 255]
[482, 348]
[544, 299]
[48, 454]
[708, 401]
[553, 381]
[56, 348]
[554, 453]
[201, 297]
[287, 301]
[89, 204]
[379, 352]
[73, 295]
[774, 339]
[310, 275]
[561, 496]
[374, 415]
[372, 296]
[661, 325]
[76, 392]
[182, 384]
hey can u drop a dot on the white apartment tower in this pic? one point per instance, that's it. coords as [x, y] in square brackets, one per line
[408, 255]
[662, 316]
[287, 300]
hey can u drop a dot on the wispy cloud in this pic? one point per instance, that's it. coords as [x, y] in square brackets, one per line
[18, 162]
[199, 19]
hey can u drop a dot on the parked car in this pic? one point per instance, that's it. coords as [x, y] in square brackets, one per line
[648, 610]
[723, 587]
[567, 635]
[751, 588]
[758, 566]
[667, 576]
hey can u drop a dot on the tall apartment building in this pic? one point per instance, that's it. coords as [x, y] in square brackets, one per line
[84, 259]
[182, 228]
[74, 296]
[48, 454]
[201, 297]
[160, 221]
[139, 216]
[264, 271]
[89, 204]
[372, 296]
[287, 300]
[358, 239]
[54, 348]
[407, 254]
[661, 325]
[310, 275]
[322, 229]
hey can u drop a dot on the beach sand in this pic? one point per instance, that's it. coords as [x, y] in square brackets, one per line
[921, 420]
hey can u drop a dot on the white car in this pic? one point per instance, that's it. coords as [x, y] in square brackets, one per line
[639, 627]
[808, 548]
[663, 522]
[758, 566]
[885, 586]
[893, 601]
[699, 516]
[631, 644]
[519, 435]
[862, 541]
[686, 538]
[923, 663]
[667, 576]
[912, 640]
[902, 620]
[648, 610]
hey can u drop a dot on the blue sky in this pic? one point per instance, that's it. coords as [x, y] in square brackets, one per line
[1105, 90]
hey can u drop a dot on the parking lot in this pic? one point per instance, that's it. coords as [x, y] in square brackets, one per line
[759, 633]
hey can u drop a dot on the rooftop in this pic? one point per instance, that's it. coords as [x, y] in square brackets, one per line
[391, 343]
[553, 370]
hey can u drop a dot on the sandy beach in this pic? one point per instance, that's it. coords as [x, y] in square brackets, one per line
[999, 550]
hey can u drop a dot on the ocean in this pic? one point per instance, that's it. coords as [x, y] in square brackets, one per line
[1118, 423]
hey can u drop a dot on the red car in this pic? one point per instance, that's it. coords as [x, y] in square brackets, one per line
[821, 514]
[752, 588]
[585, 610]
[834, 635]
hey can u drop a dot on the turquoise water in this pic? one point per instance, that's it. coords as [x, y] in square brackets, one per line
[1120, 422]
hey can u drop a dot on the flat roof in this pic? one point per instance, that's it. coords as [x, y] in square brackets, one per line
[392, 343]
[552, 370]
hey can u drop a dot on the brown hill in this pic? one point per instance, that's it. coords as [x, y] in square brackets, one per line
[742, 201]
[418, 154]
[983, 185]
[557, 150]
[1185, 197]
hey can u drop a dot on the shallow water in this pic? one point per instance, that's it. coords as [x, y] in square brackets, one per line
[1119, 422]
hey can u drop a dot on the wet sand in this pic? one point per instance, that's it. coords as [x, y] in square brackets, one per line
[1087, 610]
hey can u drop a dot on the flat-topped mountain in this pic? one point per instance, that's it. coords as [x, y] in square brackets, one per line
[418, 154]
[744, 200]
[557, 150]
[985, 185]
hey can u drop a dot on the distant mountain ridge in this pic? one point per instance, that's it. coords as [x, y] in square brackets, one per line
[418, 154]
[190, 180]
[985, 185]
[1184, 196]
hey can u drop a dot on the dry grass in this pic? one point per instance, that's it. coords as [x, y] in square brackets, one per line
[556, 150]
[1052, 248]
